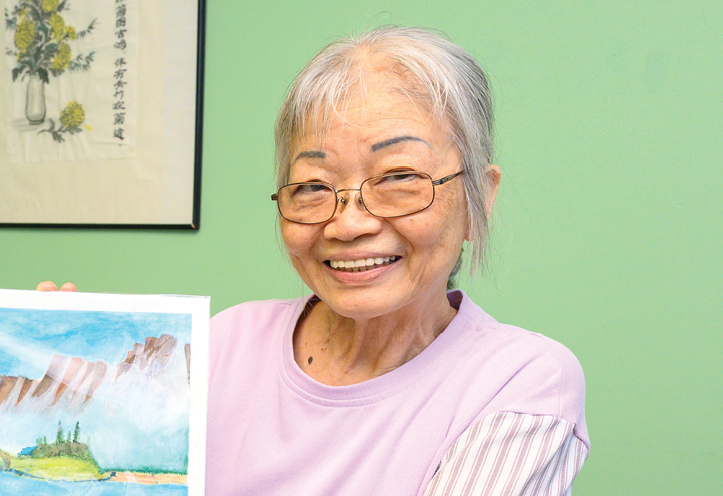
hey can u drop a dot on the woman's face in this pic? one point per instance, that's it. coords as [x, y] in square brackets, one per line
[378, 132]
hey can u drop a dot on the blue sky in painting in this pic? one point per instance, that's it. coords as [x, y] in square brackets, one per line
[29, 338]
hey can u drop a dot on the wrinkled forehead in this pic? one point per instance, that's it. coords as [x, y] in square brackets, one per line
[371, 80]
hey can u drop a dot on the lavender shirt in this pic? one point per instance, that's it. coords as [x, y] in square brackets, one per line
[273, 430]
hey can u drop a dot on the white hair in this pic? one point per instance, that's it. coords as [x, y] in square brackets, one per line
[429, 68]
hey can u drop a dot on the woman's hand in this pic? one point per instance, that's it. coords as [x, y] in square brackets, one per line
[50, 286]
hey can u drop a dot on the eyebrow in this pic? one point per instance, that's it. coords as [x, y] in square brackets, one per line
[394, 141]
[310, 154]
[375, 147]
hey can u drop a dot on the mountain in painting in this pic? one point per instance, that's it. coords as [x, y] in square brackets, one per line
[70, 383]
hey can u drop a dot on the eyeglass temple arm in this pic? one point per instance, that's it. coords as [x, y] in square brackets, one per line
[447, 178]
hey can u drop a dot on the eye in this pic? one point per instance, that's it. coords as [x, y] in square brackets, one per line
[311, 188]
[398, 177]
[402, 177]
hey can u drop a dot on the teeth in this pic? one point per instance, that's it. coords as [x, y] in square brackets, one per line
[362, 264]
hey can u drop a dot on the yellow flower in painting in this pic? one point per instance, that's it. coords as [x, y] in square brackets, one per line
[62, 58]
[57, 24]
[73, 115]
[50, 5]
[24, 35]
[71, 33]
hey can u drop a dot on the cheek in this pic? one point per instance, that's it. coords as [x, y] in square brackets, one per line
[433, 235]
[441, 233]
[301, 240]
[457, 218]
[298, 241]
[294, 237]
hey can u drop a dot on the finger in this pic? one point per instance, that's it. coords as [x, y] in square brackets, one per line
[47, 286]
[68, 286]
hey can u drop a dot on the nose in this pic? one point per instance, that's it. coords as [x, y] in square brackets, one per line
[352, 219]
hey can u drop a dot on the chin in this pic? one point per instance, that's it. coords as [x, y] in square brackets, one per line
[362, 303]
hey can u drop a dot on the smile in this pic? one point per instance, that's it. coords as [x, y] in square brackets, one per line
[361, 264]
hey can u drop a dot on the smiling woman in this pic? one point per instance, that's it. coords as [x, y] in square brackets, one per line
[383, 381]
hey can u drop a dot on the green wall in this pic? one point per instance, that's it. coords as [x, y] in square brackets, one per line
[609, 230]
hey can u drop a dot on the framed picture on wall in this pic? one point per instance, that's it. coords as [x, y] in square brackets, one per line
[101, 107]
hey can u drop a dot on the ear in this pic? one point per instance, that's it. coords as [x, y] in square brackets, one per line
[492, 176]
[493, 180]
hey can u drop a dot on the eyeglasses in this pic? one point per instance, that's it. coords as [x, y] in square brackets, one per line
[390, 195]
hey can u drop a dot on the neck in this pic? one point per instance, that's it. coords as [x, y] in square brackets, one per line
[337, 350]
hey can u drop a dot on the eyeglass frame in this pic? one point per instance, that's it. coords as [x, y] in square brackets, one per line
[343, 201]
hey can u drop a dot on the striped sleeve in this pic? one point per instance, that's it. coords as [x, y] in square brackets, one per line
[511, 454]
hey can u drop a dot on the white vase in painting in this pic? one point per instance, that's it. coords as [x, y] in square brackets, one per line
[35, 100]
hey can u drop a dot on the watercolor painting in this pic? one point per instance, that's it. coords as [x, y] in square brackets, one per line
[94, 402]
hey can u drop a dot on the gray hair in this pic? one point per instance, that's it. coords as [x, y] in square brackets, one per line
[427, 66]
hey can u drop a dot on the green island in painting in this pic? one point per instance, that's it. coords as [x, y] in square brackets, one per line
[69, 460]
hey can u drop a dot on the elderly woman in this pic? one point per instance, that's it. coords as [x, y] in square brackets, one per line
[383, 382]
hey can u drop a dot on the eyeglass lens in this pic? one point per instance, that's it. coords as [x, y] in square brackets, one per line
[391, 195]
[395, 195]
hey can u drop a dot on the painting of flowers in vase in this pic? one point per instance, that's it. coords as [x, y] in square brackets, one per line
[43, 49]
[69, 76]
